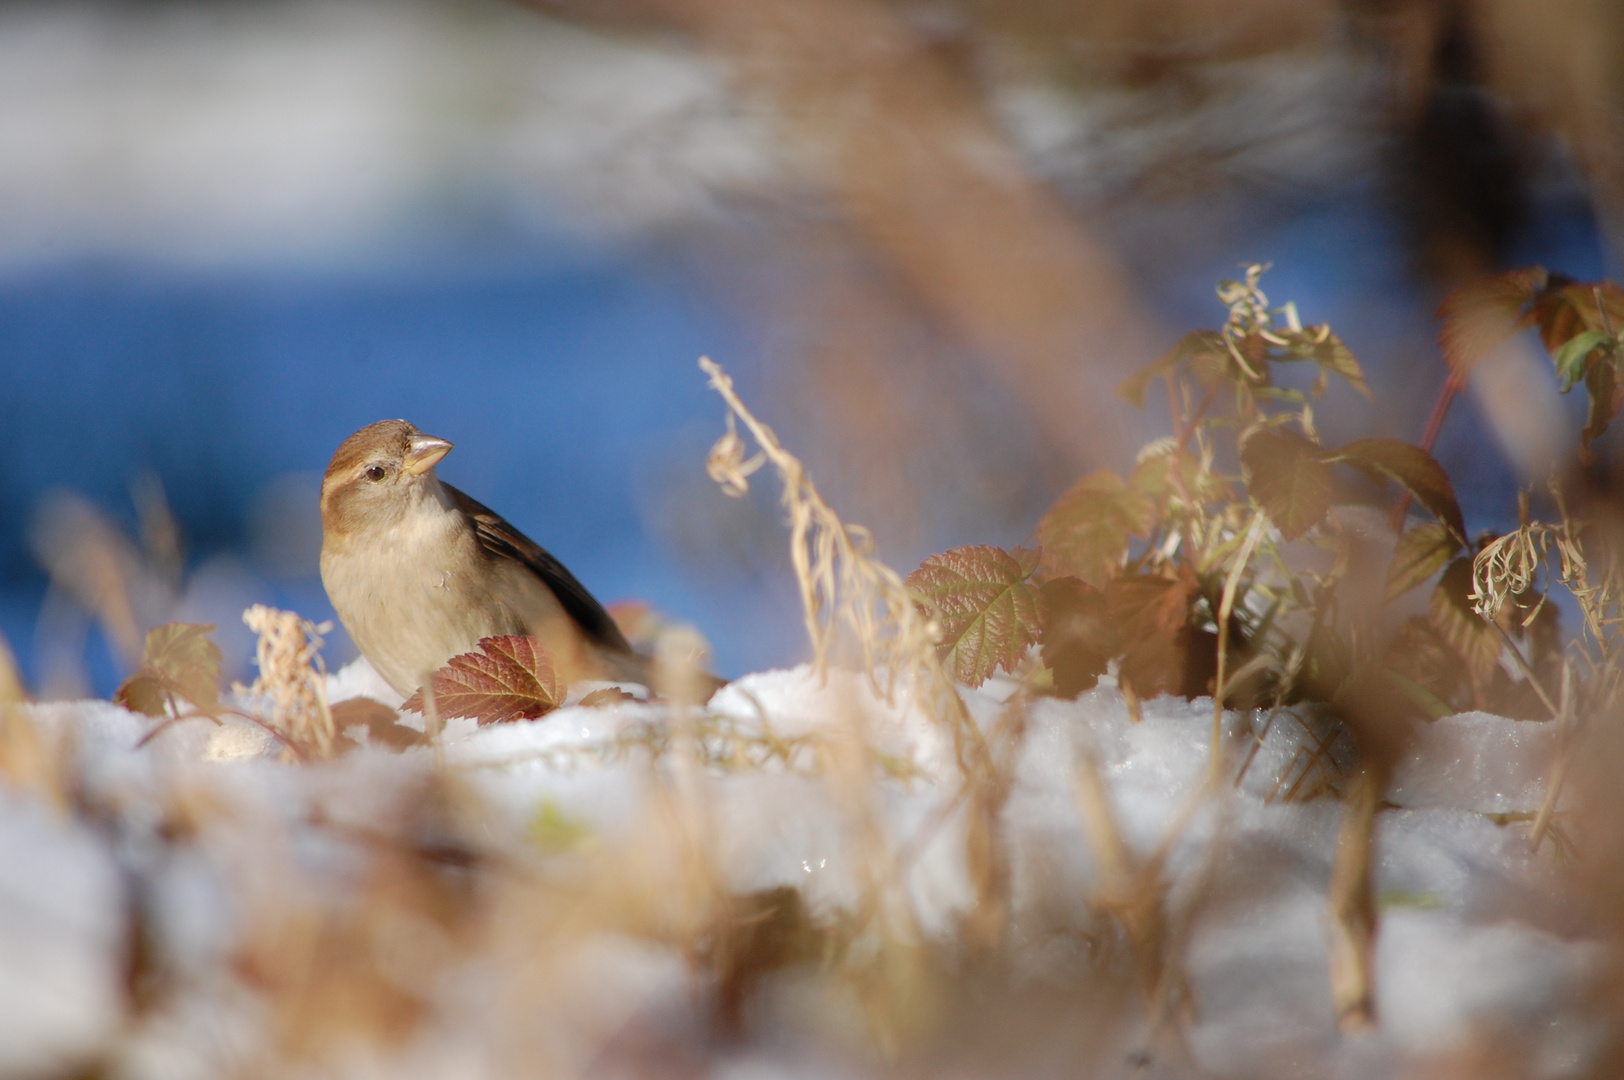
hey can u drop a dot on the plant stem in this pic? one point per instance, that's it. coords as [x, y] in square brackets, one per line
[1440, 408]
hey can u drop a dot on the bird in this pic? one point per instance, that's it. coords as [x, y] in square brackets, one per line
[419, 572]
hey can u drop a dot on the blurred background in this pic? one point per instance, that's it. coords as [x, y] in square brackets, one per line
[928, 239]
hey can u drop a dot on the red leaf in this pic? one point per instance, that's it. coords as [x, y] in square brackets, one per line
[990, 613]
[508, 678]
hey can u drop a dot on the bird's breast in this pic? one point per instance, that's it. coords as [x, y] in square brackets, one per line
[423, 591]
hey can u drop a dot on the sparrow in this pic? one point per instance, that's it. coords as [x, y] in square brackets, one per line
[418, 572]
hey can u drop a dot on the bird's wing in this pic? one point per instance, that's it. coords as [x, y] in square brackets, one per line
[503, 540]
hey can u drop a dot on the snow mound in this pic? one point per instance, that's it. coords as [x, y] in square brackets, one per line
[568, 835]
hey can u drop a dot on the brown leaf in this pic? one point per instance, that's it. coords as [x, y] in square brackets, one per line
[1450, 612]
[1569, 309]
[1420, 654]
[1289, 479]
[507, 678]
[1412, 468]
[1079, 639]
[1087, 531]
[990, 614]
[1324, 348]
[1162, 653]
[382, 723]
[606, 697]
[1420, 553]
[177, 661]
[1478, 316]
[1606, 396]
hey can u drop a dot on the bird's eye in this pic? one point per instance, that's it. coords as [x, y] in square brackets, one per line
[375, 473]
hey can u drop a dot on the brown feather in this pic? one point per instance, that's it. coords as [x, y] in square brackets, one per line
[504, 541]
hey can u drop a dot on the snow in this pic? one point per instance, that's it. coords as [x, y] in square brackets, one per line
[223, 847]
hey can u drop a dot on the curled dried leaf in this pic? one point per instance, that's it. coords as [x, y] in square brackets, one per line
[727, 465]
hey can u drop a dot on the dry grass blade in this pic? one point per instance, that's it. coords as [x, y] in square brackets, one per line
[1133, 891]
[1352, 900]
[292, 675]
[11, 683]
[842, 584]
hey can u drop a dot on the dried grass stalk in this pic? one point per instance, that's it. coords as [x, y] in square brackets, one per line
[842, 584]
[293, 676]
[1352, 898]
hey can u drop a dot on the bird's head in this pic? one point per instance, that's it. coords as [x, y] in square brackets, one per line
[378, 474]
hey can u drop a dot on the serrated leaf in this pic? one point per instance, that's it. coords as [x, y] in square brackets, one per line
[1412, 468]
[1087, 531]
[177, 661]
[1477, 317]
[989, 612]
[1420, 553]
[1324, 348]
[1192, 346]
[1606, 395]
[1289, 479]
[507, 678]
[1450, 613]
[1079, 638]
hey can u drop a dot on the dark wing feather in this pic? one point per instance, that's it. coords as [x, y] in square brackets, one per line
[501, 539]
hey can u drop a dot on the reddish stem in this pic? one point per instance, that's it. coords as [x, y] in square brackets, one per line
[1440, 408]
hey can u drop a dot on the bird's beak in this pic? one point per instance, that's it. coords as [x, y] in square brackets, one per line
[425, 453]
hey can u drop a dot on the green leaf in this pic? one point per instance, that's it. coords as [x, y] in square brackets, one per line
[1289, 479]
[1412, 468]
[1451, 614]
[1420, 553]
[1477, 317]
[1079, 637]
[1606, 395]
[507, 678]
[1087, 531]
[1570, 358]
[1194, 345]
[989, 612]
